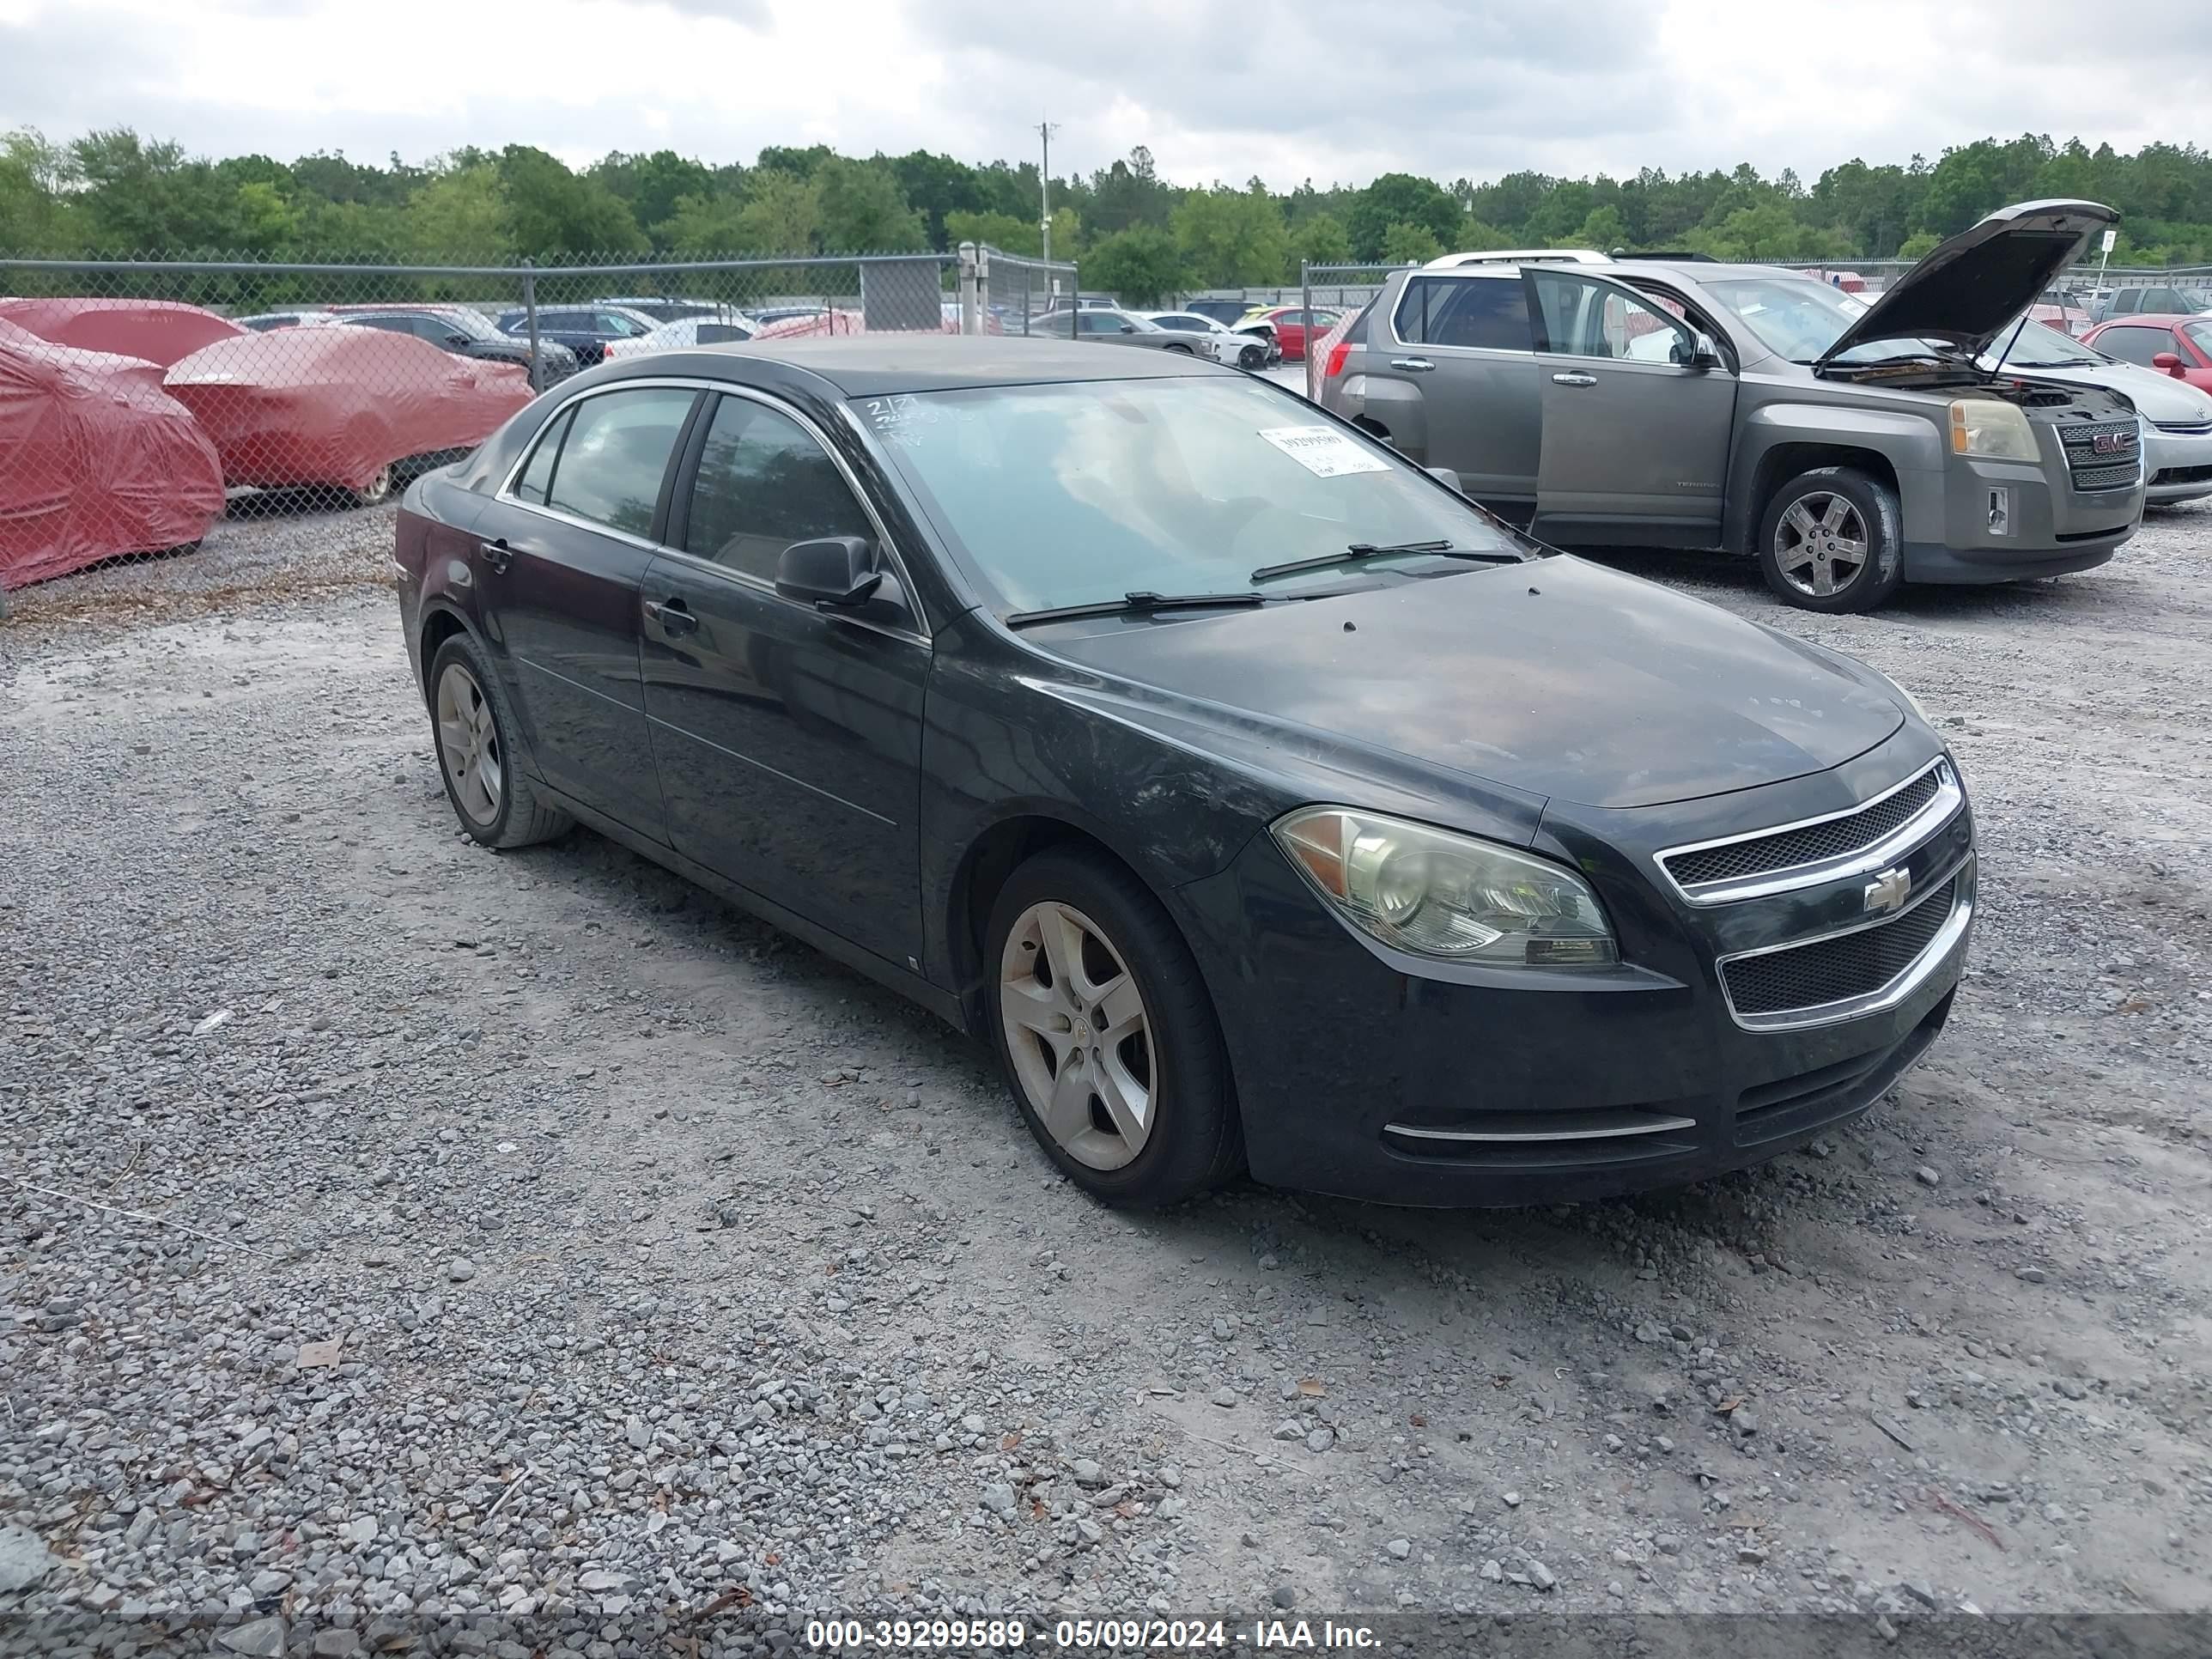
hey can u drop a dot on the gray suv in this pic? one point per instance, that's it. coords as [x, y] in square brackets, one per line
[1687, 403]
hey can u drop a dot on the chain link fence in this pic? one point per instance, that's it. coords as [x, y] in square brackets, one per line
[142, 399]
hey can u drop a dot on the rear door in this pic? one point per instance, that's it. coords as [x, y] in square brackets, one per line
[562, 551]
[1635, 441]
[1461, 349]
[788, 739]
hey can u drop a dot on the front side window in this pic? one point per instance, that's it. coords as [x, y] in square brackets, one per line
[614, 455]
[1587, 319]
[765, 482]
[1075, 494]
[1488, 312]
[2135, 345]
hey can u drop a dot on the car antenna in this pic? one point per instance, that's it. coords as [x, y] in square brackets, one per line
[1997, 367]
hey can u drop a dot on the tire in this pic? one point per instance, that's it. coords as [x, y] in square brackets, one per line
[1844, 530]
[1250, 358]
[377, 489]
[1185, 349]
[1133, 974]
[491, 793]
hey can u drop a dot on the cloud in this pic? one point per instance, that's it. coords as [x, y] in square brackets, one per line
[1216, 89]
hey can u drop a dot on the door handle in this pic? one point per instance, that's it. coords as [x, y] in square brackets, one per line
[1412, 365]
[1573, 379]
[673, 615]
[498, 555]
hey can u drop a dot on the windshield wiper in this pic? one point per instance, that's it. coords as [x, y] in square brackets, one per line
[1137, 604]
[1358, 551]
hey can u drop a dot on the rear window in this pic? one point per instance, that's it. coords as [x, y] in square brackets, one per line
[1486, 313]
[615, 454]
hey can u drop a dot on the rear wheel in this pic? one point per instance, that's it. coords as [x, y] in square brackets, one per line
[474, 727]
[1107, 1034]
[1833, 540]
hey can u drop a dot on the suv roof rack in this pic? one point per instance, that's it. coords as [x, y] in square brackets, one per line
[1683, 256]
[1526, 256]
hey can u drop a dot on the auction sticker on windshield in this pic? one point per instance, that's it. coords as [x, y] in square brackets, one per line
[1323, 451]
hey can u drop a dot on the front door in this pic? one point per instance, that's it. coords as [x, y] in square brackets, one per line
[788, 739]
[1462, 345]
[559, 560]
[1635, 439]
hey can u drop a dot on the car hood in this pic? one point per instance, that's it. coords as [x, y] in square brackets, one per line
[2160, 398]
[1972, 287]
[1558, 678]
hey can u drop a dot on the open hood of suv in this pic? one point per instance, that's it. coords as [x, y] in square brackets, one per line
[1972, 287]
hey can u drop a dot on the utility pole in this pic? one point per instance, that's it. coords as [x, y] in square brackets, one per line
[1045, 129]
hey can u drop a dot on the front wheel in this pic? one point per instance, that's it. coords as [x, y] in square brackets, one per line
[1107, 1034]
[1833, 540]
[377, 489]
[1185, 349]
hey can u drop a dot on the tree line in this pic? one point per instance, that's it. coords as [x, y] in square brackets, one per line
[115, 194]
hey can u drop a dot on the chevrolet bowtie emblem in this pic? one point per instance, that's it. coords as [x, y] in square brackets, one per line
[1889, 890]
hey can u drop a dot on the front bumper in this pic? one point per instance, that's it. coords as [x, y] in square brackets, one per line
[1370, 1074]
[2178, 465]
[2003, 520]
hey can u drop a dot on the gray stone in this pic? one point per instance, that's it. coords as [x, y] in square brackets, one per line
[636, 1433]
[998, 1498]
[1399, 1548]
[1288, 1429]
[1087, 1472]
[1493, 1571]
[1927, 1176]
[460, 1270]
[1918, 1591]
[263, 1639]
[1320, 1440]
[1541, 1576]
[1224, 1396]
[25, 1560]
[1285, 1597]
[336, 1644]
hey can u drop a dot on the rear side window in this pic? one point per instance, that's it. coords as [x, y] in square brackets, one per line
[765, 483]
[530, 486]
[614, 455]
[1488, 312]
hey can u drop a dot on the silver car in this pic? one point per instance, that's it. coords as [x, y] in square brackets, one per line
[1689, 404]
[1113, 326]
[2177, 416]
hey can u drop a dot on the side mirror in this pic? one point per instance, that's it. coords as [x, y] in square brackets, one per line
[1128, 328]
[2170, 361]
[1445, 476]
[1704, 352]
[457, 341]
[831, 572]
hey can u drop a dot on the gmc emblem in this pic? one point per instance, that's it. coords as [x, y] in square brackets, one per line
[2110, 443]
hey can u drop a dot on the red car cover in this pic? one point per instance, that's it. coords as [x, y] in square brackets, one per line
[336, 405]
[95, 461]
[159, 330]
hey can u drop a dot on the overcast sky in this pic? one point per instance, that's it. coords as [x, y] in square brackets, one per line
[1289, 89]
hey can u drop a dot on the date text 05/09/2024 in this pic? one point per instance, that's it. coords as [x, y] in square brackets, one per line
[1083, 1635]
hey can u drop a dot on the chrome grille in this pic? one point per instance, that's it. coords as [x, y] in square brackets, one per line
[2187, 428]
[1809, 843]
[1843, 966]
[2113, 468]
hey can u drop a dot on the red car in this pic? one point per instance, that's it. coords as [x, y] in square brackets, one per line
[2180, 346]
[1289, 324]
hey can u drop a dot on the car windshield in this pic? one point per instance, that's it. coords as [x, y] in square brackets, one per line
[1080, 493]
[2039, 346]
[1800, 319]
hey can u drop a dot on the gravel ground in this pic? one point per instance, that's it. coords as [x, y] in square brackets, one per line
[528, 1249]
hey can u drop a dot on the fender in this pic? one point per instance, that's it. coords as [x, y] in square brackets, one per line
[1394, 405]
[1911, 443]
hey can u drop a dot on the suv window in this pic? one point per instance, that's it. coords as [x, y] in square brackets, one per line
[1583, 318]
[1489, 313]
[613, 455]
[2137, 344]
[2128, 299]
[764, 482]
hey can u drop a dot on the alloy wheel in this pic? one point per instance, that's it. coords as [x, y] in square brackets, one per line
[468, 745]
[1820, 544]
[1078, 1035]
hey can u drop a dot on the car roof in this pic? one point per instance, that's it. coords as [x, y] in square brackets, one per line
[877, 365]
[2165, 319]
[1520, 256]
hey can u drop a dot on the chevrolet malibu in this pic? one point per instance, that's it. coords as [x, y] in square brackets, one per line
[1263, 803]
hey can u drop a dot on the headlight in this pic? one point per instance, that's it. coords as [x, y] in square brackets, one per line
[1991, 428]
[1451, 897]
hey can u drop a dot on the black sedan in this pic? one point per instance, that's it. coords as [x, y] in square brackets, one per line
[1262, 802]
[465, 333]
[587, 331]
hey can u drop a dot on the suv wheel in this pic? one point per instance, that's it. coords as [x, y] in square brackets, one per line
[1832, 540]
[1107, 1034]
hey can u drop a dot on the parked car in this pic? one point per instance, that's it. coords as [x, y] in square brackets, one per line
[684, 332]
[2062, 310]
[1113, 327]
[1849, 447]
[667, 307]
[1286, 325]
[2180, 346]
[1224, 345]
[2135, 299]
[784, 314]
[467, 332]
[262, 321]
[1225, 312]
[584, 329]
[2177, 416]
[157, 331]
[1233, 779]
[1520, 256]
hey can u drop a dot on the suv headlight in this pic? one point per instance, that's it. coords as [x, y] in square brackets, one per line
[1992, 428]
[1450, 897]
